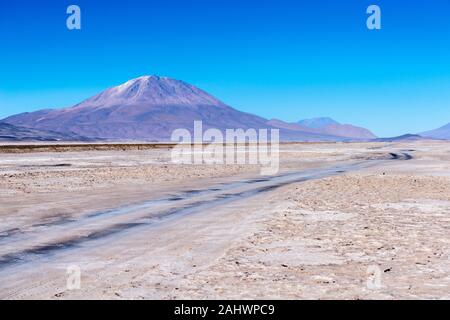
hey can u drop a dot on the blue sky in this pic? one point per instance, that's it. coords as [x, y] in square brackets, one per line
[278, 59]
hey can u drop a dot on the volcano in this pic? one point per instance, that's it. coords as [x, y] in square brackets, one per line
[150, 108]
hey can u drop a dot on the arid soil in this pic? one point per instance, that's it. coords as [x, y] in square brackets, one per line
[375, 232]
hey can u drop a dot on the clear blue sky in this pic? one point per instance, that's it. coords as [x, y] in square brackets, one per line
[278, 59]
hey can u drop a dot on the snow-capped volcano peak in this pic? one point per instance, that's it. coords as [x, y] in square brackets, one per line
[151, 90]
[139, 81]
[152, 107]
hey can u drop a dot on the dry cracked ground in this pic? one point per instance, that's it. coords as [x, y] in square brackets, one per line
[376, 232]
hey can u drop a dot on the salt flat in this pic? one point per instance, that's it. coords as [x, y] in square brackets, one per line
[376, 231]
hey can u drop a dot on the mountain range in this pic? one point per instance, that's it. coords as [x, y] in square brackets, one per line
[9, 132]
[150, 108]
[440, 133]
[325, 126]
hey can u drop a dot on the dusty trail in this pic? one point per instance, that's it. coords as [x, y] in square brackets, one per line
[33, 259]
[42, 240]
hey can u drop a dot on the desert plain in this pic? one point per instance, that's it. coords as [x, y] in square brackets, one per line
[338, 221]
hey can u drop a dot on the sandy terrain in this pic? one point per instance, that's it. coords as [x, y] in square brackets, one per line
[368, 228]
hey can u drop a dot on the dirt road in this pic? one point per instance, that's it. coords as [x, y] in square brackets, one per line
[184, 239]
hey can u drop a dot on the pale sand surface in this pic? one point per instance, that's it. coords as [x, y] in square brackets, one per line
[317, 239]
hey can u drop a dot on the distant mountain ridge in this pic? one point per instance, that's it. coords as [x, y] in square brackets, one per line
[152, 107]
[317, 123]
[440, 133]
[326, 126]
[402, 138]
[9, 132]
